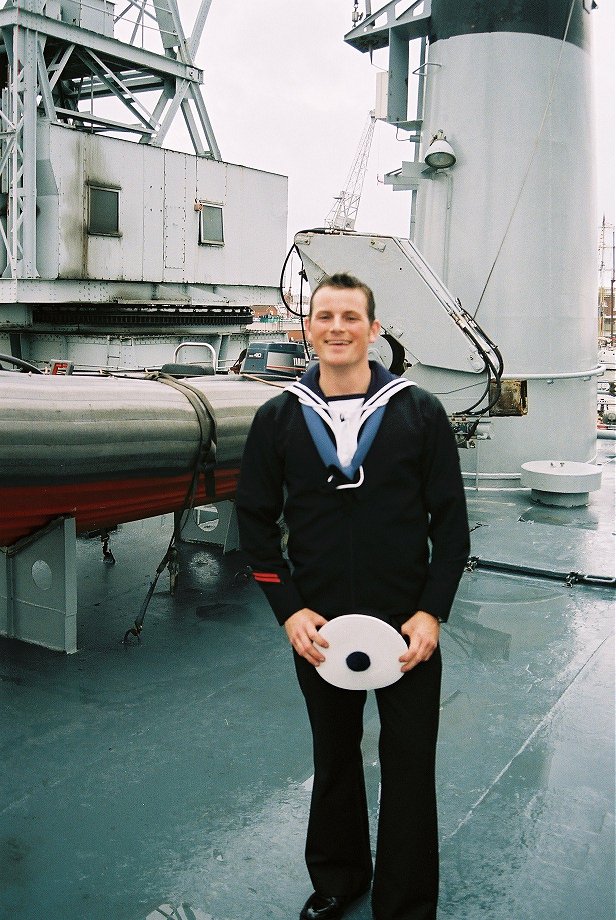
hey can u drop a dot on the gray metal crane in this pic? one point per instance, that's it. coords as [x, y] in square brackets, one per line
[343, 213]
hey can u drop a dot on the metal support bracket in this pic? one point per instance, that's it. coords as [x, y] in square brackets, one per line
[38, 587]
[215, 524]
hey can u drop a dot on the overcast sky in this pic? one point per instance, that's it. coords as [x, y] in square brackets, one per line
[286, 94]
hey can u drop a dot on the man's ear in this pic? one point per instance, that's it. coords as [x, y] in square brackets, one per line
[375, 330]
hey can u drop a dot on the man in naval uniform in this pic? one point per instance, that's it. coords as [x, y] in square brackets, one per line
[365, 469]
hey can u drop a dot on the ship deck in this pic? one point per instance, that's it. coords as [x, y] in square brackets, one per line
[171, 777]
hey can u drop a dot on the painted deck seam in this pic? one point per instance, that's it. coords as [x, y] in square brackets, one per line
[540, 725]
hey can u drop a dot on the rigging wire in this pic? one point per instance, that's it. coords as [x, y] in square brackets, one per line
[532, 155]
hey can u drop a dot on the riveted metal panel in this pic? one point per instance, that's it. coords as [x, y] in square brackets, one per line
[174, 232]
[104, 167]
[152, 214]
[38, 588]
[158, 239]
[47, 203]
[66, 154]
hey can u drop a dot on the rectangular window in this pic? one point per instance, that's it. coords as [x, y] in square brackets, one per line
[210, 224]
[103, 211]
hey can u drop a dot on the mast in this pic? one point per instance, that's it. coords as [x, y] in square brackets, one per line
[509, 223]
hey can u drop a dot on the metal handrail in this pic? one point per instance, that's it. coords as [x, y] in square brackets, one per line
[198, 345]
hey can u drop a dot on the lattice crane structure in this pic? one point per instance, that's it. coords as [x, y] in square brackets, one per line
[64, 63]
[343, 213]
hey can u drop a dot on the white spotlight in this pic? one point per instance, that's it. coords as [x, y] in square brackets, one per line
[440, 153]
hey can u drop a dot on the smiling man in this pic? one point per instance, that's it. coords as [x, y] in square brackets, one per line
[364, 467]
[341, 326]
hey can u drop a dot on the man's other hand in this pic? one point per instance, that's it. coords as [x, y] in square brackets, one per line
[422, 630]
[302, 628]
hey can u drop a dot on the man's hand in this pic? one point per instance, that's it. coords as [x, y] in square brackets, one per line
[423, 631]
[302, 630]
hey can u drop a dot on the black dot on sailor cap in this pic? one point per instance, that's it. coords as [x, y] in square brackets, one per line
[358, 661]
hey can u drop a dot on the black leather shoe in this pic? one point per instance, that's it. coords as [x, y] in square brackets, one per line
[322, 907]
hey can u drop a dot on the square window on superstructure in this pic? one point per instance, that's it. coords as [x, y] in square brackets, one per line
[210, 225]
[103, 211]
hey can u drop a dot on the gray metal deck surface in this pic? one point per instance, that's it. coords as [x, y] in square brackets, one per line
[172, 778]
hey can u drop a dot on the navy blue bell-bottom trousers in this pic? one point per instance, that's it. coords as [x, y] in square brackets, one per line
[338, 853]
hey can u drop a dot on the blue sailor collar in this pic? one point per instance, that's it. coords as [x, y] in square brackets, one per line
[316, 412]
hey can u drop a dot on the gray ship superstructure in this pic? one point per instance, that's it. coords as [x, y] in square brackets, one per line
[113, 249]
[168, 777]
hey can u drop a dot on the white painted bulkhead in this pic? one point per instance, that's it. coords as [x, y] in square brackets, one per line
[516, 215]
[156, 258]
[158, 237]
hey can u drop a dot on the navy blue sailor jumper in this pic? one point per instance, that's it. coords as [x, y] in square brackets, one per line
[396, 544]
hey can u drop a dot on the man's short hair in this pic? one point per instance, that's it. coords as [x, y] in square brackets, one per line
[342, 280]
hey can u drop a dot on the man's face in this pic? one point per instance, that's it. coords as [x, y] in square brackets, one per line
[339, 328]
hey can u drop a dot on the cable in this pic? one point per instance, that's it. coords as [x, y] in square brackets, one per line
[532, 156]
[469, 386]
[206, 451]
[474, 332]
[570, 578]
[21, 364]
[302, 278]
[280, 286]
[467, 323]
[301, 290]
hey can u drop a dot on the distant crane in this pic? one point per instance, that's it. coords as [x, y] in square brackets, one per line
[344, 210]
